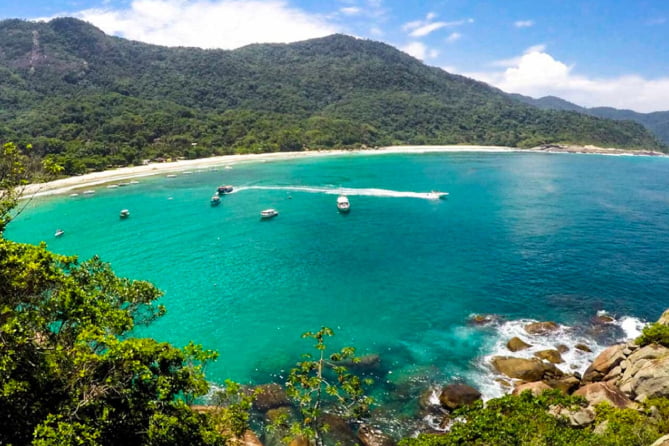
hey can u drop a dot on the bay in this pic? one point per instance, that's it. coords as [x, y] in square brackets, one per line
[524, 236]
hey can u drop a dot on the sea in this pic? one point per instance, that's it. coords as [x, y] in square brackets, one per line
[581, 240]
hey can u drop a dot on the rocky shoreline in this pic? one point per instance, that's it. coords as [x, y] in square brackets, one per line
[623, 375]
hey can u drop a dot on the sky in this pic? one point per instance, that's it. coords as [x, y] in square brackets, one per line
[590, 52]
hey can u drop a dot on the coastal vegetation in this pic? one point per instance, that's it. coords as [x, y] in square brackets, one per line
[88, 101]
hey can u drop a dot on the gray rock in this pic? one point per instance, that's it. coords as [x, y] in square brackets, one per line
[662, 441]
[599, 392]
[541, 327]
[526, 369]
[604, 362]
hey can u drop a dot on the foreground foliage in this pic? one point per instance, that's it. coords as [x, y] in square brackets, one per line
[68, 369]
[654, 333]
[525, 420]
[323, 383]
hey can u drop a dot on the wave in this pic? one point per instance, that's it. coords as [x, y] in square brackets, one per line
[369, 192]
[575, 360]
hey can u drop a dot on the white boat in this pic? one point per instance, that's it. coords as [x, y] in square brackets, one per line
[89, 192]
[434, 195]
[343, 204]
[215, 200]
[124, 213]
[59, 232]
[268, 213]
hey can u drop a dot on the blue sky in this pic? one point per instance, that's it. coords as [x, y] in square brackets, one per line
[591, 52]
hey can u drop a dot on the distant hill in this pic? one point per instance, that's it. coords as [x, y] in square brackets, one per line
[656, 122]
[90, 100]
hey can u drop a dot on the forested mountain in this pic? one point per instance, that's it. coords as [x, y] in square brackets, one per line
[656, 122]
[90, 100]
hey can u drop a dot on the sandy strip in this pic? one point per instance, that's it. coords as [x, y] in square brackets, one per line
[124, 174]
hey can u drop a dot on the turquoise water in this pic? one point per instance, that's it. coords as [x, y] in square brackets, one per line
[521, 235]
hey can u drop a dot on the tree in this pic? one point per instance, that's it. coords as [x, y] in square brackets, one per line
[70, 370]
[322, 383]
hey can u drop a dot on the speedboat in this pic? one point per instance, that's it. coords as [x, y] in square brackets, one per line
[343, 204]
[124, 213]
[268, 213]
[215, 200]
[434, 195]
[59, 232]
[224, 189]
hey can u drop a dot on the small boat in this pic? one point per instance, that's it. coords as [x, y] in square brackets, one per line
[112, 186]
[171, 175]
[124, 213]
[343, 204]
[434, 195]
[222, 190]
[59, 232]
[268, 213]
[89, 192]
[215, 200]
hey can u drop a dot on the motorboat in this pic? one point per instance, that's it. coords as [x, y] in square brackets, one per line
[124, 213]
[435, 195]
[59, 232]
[343, 204]
[215, 200]
[268, 213]
[222, 190]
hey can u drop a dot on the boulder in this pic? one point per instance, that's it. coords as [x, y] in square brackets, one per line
[369, 436]
[299, 441]
[650, 351]
[453, 396]
[650, 381]
[541, 328]
[562, 348]
[526, 369]
[553, 356]
[599, 392]
[270, 396]
[603, 319]
[457, 395]
[604, 362]
[536, 388]
[577, 417]
[515, 344]
[565, 384]
[662, 441]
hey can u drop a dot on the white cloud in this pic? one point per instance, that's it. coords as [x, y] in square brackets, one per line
[453, 37]
[536, 73]
[426, 29]
[523, 23]
[350, 10]
[419, 50]
[224, 24]
[421, 28]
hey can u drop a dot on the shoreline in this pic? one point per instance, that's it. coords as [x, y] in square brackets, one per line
[94, 179]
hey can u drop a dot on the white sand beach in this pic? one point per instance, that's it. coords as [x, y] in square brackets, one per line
[78, 183]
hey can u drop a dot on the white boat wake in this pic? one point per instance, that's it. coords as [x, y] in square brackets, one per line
[370, 192]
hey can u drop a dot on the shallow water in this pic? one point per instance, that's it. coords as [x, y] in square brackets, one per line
[521, 235]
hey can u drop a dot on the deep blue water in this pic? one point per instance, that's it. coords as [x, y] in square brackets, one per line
[521, 235]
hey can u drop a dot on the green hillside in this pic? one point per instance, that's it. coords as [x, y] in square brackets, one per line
[90, 100]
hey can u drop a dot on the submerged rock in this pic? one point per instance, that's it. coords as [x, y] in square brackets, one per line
[270, 396]
[540, 328]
